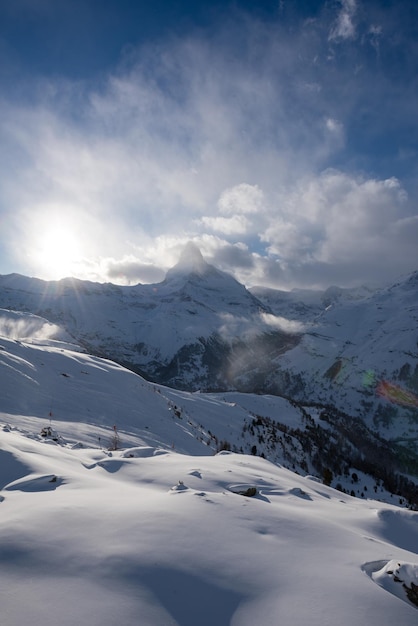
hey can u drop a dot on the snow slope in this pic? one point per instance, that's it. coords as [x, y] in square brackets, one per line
[162, 531]
[150, 536]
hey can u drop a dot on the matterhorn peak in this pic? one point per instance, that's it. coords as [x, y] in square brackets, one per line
[191, 261]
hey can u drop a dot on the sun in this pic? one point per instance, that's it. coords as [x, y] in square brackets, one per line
[57, 251]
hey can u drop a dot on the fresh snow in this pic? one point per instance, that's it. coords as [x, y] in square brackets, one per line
[151, 536]
[164, 532]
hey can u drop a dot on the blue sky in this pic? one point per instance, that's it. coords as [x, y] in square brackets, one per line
[280, 137]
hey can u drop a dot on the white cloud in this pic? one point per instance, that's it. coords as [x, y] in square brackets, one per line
[236, 225]
[20, 326]
[242, 198]
[282, 323]
[340, 223]
[344, 27]
[235, 326]
[335, 131]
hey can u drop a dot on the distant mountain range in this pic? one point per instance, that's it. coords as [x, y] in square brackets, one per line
[352, 353]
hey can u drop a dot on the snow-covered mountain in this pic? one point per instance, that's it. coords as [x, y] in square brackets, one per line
[197, 329]
[117, 508]
[306, 304]
[352, 353]
[361, 357]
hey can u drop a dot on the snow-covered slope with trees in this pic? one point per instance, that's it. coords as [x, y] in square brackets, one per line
[45, 376]
[116, 508]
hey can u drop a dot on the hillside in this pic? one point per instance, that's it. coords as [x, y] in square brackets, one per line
[361, 357]
[44, 377]
[146, 523]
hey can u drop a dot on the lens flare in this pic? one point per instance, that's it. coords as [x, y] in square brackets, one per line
[396, 394]
[369, 378]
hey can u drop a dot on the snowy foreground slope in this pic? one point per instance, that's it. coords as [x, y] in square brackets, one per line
[150, 536]
[162, 531]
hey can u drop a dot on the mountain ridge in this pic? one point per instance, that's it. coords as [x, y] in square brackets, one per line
[349, 351]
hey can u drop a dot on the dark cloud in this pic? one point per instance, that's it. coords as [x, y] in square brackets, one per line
[132, 272]
[232, 258]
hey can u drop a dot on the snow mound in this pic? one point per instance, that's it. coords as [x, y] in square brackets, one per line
[12, 468]
[397, 577]
[34, 483]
